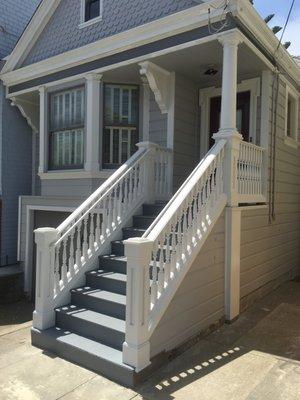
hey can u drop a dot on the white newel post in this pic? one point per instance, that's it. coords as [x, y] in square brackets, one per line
[150, 170]
[228, 131]
[44, 315]
[136, 348]
[92, 122]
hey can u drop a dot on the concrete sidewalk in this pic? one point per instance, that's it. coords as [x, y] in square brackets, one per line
[255, 358]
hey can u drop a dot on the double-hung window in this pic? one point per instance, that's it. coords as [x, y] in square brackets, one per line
[291, 123]
[121, 117]
[66, 129]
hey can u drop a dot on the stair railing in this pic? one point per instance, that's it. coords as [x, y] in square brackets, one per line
[158, 262]
[66, 253]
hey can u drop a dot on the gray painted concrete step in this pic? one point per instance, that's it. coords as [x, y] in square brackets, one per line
[110, 281]
[93, 355]
[117, 248]
[94, 325]
[153, 209]
[99, 300]
[114, 263]
[132, 232]
[142, 221]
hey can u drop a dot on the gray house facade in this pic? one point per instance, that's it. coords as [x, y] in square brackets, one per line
[165, 173]
[15, 134]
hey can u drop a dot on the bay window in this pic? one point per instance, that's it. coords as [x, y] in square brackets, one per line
[121, 116]
[66, 129]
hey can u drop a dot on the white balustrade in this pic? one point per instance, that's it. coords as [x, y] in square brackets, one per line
[87, 232]
[169, 247]
[250, 173]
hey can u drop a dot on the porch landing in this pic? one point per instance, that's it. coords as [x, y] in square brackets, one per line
[257, 357]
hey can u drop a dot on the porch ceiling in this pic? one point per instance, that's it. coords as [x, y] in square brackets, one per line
[193, 62]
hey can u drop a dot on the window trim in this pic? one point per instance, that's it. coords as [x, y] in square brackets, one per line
[78, 167]
[83, 22]
[288, 140]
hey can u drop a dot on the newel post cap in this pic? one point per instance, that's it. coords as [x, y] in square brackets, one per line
[138, 247]
[45, 236]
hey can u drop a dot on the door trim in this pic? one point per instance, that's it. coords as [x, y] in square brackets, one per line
[205, 95]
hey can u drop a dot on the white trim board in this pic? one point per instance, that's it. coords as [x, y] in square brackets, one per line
[206, 94]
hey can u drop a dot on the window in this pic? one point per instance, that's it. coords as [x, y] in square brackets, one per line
[121, 115]
[91, 12]
[67, 116]
[291, 123]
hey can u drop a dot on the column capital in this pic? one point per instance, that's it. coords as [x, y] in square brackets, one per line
[230, 38]
[92, 76]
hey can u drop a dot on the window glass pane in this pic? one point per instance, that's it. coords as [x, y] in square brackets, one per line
[92, 9]
[121, 111]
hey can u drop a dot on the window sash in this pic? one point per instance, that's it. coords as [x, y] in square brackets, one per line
[66, 135]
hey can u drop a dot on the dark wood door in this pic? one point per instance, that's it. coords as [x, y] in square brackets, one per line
[242, 119]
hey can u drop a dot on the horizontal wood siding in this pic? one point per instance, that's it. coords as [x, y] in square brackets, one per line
[157, 123]
[271, 249]
[186, 129]
[199, 300]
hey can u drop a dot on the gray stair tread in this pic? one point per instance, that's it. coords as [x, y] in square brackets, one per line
[113, 257]
[145, 216]
[109, 275]
[101, 294]
[88, 345]
[94, 317]
[135, 229]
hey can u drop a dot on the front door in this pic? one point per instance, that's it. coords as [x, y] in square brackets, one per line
[242, 116]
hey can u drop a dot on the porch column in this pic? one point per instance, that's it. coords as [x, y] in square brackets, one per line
[228, 131]
[43, 145]
[92, 148]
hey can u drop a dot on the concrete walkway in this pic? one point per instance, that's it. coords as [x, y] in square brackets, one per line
[256, 358]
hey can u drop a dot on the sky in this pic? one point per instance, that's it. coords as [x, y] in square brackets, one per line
[281, 8]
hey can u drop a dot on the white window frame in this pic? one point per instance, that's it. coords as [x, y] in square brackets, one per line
[288, 140]
[83, 22]
[206, 94]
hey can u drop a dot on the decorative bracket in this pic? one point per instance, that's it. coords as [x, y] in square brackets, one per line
[160, 82]
[28, 111]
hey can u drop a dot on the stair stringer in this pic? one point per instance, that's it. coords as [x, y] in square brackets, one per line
[79, 278]
[163, 303]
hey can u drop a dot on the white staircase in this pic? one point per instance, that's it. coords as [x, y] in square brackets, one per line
[101, 312]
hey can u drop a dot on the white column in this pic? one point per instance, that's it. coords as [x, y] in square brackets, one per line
[232, 262]
[44, 314]
[136, 348]
[93, 115]
[43, 131]
[228, 131]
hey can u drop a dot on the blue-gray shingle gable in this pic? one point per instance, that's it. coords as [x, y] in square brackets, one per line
[14, 16]
[62, 32]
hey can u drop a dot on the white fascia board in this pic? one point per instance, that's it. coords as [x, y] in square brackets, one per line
[159, 29]
[250, 18]
[31, 33]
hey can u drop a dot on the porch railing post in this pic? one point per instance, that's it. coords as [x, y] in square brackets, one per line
[136, 348]
[44, 315]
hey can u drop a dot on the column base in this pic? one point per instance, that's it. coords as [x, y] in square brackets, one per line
[137, 357]
[43, 320]
[227, 134]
